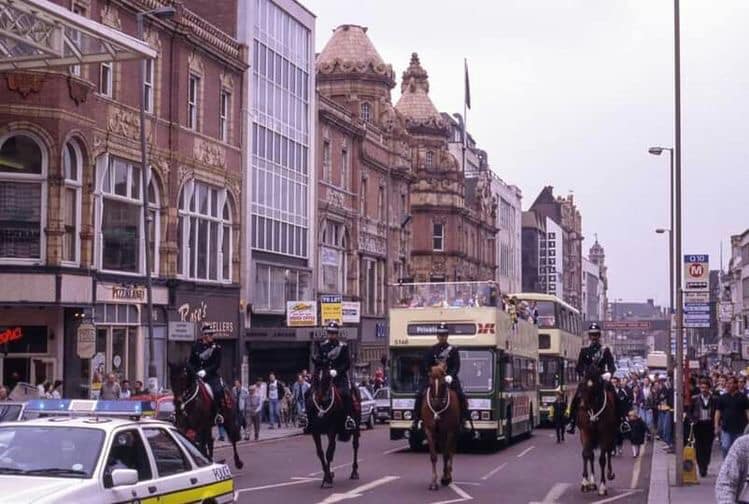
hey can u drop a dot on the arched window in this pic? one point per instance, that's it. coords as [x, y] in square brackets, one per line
[23, 188]
[204, 234]
[121, 237]
[72, 165]
[366, 113]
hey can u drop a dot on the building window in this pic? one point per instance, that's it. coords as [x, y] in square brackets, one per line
[429, 159]
[121, 218]
[370, 293]
[333, 258]
[193, 90]
[438, 237]
[148, 84]
[205, 240]
[223, 117]
[363, 197]
[381, 209]
[105, 79]
[326, 161]
[275, 285]
[76, 37]
[365, 112]
[344, 168]
[72, 163]
[23, 173]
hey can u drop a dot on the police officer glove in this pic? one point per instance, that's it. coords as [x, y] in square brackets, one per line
[448, 379]
[333, 373]
[201, 374]
[606, 376]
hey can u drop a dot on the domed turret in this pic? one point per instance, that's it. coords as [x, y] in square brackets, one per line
[350, 54]
[415, 105]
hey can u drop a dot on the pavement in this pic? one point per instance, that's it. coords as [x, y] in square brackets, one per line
[265, 434]
[533, 470]
[662, 478]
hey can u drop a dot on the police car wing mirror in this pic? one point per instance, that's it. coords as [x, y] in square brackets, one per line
[124, 477]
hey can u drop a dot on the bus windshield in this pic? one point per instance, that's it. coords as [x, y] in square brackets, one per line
[444, 295]
[476, 371]
[406, 372]
[550, 371]
[546, 317]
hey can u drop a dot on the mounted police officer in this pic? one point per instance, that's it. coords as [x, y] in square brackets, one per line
[205, 362]
[441, 353]
[336, 354]
[600, 357]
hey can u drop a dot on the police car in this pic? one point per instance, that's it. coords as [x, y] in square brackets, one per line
[104, 451]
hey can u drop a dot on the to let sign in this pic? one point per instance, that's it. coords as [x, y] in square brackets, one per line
[86, 341]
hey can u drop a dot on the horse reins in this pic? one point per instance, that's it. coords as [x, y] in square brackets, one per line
[191, 398]
[429, 401]
[321, 412]
[594, 416]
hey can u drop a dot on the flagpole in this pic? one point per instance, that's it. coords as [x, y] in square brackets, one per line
[465, 114]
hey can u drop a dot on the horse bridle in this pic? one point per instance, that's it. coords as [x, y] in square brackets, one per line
[192, 397]
[595, 416]
[321, 412]
[429, 401]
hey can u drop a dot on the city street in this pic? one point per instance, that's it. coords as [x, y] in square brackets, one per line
[531, 470]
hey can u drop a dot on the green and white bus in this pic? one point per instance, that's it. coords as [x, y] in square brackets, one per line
[560, 337]
[499, 358]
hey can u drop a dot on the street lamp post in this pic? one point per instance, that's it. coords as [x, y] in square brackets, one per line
[162, 13]
[669, 357]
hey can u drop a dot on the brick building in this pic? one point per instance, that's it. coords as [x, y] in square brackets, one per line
[363, 172]
[71, 213]
[454, 219]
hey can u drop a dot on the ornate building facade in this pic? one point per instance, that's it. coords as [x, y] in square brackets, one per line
[454, 218]
[72, 239]
[363, 176]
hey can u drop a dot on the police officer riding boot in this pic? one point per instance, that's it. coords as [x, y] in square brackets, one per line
[348, 407]
[465, 415]
[573, 414]
[418, 401]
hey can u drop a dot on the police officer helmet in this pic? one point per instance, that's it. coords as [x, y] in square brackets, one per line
[442, 329]
[594, 329]
[332, 328]
[207, 329]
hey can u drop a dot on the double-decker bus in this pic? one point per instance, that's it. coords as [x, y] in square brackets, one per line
[559, 341]
[499, 357]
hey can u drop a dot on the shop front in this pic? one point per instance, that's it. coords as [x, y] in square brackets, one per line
[30, 347]
[374, 337]
[195, 305]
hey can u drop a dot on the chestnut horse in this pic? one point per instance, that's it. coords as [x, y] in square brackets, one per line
[440, 414]
[596, 416]
[326, 416]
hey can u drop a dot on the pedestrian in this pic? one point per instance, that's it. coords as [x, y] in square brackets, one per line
[646, 405]
[125, 391]
[306, 376]
[731, 484]
[240, 395]
[253, 412]
[275, 393]
[4, 396]
[138, 390]
[638, 428]
[666, 415]
[623, 400]
[56, 390]
[299, 394]
[379, 380]
[731, 415]
[558, 412]
[701, 415]
[110, 389]
[262, 389]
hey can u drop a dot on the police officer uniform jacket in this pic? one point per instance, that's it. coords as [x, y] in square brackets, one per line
[595, 355]
[440, 352]
[206, 356]
[337, 354]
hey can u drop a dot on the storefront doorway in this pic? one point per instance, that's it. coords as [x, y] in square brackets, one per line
[116, 352]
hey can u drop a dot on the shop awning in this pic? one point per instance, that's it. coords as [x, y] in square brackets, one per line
[38, 34]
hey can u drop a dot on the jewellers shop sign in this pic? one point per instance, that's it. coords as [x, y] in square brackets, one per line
[219, 312]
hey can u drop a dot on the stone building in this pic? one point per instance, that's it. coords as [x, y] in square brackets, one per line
[72, 241]
[363, 171]
[454, 218]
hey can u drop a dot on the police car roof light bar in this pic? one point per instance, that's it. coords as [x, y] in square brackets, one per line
[84, 407]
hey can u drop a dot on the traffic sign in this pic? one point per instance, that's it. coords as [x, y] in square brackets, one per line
[696, 272]
[696, 307]
[696, 316]
[697, 296]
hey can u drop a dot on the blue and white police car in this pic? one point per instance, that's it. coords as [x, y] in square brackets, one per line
[104, 452]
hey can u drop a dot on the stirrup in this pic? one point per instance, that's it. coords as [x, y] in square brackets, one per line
[624, 427]
[219, 420]
[350, 424]
[416, 425]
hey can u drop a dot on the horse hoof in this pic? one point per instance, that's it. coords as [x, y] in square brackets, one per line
[611, 476]
[354, 475]
[603, 492]
[583, 488]
[446, 481]
[434, 486]
[332, 476]
[238, 464]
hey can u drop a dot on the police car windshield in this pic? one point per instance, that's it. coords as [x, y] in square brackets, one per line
[64, 452]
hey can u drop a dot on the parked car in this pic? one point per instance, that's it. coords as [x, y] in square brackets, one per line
[11, 411]
[161, 406]
[382, 406]
[368, 405]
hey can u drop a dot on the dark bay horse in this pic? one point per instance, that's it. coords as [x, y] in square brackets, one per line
[596, 416]
[193, 411]
[440, 413]
[326, 417]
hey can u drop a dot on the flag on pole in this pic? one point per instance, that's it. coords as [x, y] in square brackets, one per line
[468, 85]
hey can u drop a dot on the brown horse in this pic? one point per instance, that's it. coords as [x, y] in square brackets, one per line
[596, 416]
[326, 416]
[193, 412]
[440, 413]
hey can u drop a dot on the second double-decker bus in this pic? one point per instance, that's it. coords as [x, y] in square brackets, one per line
[559, 341]
[499, 357]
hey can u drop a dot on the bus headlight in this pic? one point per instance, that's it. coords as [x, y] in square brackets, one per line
[485, 415]
[475, 415]
[407, 415]
[397, 415]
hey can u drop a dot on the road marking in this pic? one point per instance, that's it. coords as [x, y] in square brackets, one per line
[319, 473]
[556, 492]
[636, 470]
[493, 471]
[525, 452]
[463, 496]
[358, 491]
[617, 497]
[469, 483]
[297, 481]
[393, 450]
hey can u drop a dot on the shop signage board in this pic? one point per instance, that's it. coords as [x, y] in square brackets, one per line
[181, 331]
[696, 272]
[86, 341]
[301, 313]
[331, 309]
[725, 311]
[351, 312]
